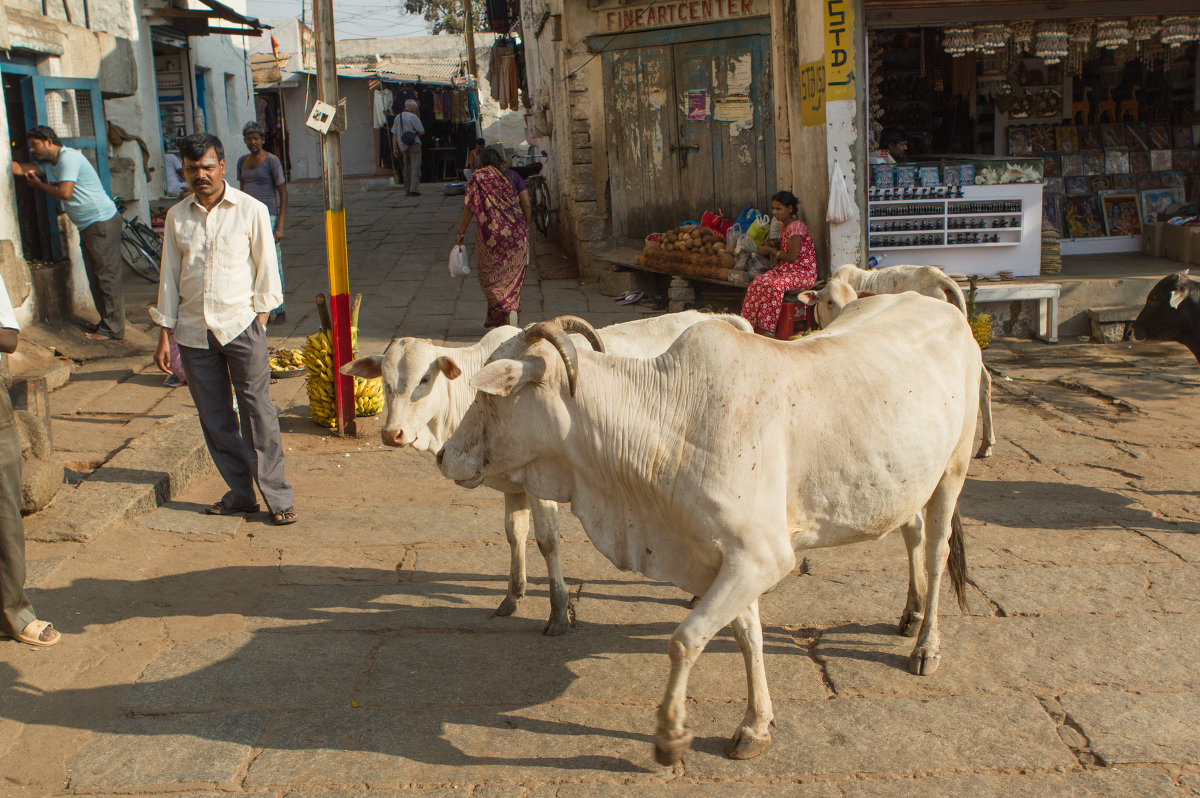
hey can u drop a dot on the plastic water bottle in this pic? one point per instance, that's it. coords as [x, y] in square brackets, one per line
[872, 262]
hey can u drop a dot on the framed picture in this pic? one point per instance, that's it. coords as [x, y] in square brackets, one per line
[1139, 162]
[1089, 138]
[1052, 165]
[1072, 165]
[1112, 134]
[1146, 180]
[1181, 135]
[928, 176]
[1042, 137]
[1137, 136]
[1172, 179]
[1053, 185]
[1093, 162]
[1154, 201]
[1181, 160]
[1050, 212]
[1066, 139]
[1019, 141]
[884, 175]
[906, 175]
[1081, 217]
[1074, 186]
[1160, 160]
[1160, 137]
[968, 174]
[1116, 161]
[1120, 211]
[1122, 182]
[951, 175]
[1100, 183]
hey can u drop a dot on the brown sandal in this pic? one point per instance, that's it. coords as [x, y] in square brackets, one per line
[284, 517]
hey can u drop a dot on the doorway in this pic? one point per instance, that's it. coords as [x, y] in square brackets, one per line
[690, 129]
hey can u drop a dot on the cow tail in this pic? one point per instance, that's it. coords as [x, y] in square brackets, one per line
[958, 561]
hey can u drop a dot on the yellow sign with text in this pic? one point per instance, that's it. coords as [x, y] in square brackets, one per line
[839, 50]
[812, 93]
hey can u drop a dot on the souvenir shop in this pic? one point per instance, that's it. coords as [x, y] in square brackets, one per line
[1026, 138]
[449, 111]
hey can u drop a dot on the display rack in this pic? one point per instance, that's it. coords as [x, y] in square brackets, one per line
[172, 105]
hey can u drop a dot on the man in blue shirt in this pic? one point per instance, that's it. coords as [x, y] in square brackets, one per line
[68, 176]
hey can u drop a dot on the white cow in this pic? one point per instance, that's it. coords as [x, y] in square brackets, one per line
[928, 280]
[427, 392]
[828, 302]
[683, 469]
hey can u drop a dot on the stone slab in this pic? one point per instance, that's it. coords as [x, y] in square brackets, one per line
[192, 522]
[1184, 544]
[584, 666]
[473, 791]
[865, 736]
[147, 472]
[496, 745]
[38, 572]
[1031, 656]
[241, 671]
[156, 751]
[138, 395]
[1126, 728]
[683, 788]
[1067, 590]
[1092, 783]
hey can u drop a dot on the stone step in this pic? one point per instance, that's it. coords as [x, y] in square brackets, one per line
[1113, 313]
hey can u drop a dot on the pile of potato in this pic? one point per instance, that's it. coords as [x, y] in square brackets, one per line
[690, 250]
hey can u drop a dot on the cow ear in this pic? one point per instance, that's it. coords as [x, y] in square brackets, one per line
[448, 367]
[365, 367]
[1177, 296]
[505, 377]
[807, 297]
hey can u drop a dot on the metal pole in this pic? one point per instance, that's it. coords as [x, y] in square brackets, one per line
[335, 219]
[469, 36]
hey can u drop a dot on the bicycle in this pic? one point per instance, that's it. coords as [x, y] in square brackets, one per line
[141, 248]
[539, 196]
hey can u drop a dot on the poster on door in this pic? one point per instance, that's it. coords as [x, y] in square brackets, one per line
[697, 105]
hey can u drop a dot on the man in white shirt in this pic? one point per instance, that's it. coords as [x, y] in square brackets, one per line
[218, 281]
[176, 185]
[406, 140]
[17, 618]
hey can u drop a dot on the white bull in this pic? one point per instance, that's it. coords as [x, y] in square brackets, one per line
[828, 302]
[927, 280]
[427, 391]
[684, 470]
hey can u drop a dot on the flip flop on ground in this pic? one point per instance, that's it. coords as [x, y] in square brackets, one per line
[39, 633]
[284, 517]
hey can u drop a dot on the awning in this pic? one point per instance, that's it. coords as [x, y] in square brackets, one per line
[425, 71]
[199, 21]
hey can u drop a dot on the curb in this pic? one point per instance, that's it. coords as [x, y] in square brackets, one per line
[157, 465]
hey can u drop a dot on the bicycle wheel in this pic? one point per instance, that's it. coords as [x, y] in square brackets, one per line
[541, 206]
[136, 258]
[151, 241]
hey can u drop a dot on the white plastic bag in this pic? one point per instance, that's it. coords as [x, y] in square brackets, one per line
[841, 204]
[459, 265]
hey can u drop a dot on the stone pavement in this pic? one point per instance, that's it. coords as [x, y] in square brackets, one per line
[356, 652]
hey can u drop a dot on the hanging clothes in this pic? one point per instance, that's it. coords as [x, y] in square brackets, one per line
[381, 103]
[459, 111]
[502, 76]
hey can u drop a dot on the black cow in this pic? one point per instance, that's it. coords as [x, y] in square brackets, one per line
[1172, 313]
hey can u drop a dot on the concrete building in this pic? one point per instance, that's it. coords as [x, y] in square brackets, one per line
[120, 80]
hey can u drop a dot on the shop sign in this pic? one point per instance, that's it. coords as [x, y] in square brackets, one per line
[812, 93]
[687, 12]
[839, 50]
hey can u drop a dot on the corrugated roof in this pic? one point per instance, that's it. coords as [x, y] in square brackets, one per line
[432, 71]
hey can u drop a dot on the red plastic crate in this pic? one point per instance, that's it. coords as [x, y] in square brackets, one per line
[796, 317]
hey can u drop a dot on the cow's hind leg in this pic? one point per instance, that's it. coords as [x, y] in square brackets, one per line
[754, 735]
[944, 539]
[516, 529]
[545, 531]
[985, 407]
[914, 606]
[739, 583]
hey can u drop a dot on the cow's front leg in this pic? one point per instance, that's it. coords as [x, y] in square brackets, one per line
[754, 735]
[516, 529]
[545, 531]
[914, 606]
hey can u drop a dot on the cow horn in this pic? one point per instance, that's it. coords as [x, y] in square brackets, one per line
[577, 325]
[552, 332]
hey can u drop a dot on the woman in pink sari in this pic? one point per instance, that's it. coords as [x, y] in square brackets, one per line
[795, 266]
[502, 240]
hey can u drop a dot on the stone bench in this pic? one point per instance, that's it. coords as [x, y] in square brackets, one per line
[1110, 323]
[1046, 295]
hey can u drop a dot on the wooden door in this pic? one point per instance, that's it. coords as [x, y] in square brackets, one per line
[667, 165]
[643, 179]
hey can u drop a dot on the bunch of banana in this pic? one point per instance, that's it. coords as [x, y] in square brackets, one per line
[317, 358]
[287, 360]
[981, 328]
[368, 396]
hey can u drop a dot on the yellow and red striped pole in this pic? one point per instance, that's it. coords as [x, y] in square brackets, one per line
[335, 219]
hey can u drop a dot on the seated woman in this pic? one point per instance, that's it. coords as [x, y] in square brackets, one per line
[795, 267]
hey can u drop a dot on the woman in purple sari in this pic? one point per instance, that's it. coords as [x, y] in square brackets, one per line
[502, 240]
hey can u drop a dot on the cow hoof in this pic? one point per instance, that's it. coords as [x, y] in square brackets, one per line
[924, 662]
[507, 607]
[668, 752]
[984, 451]
[910, 624]
[744, 746]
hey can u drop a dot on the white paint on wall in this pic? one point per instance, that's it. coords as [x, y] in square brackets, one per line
[845, 240]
